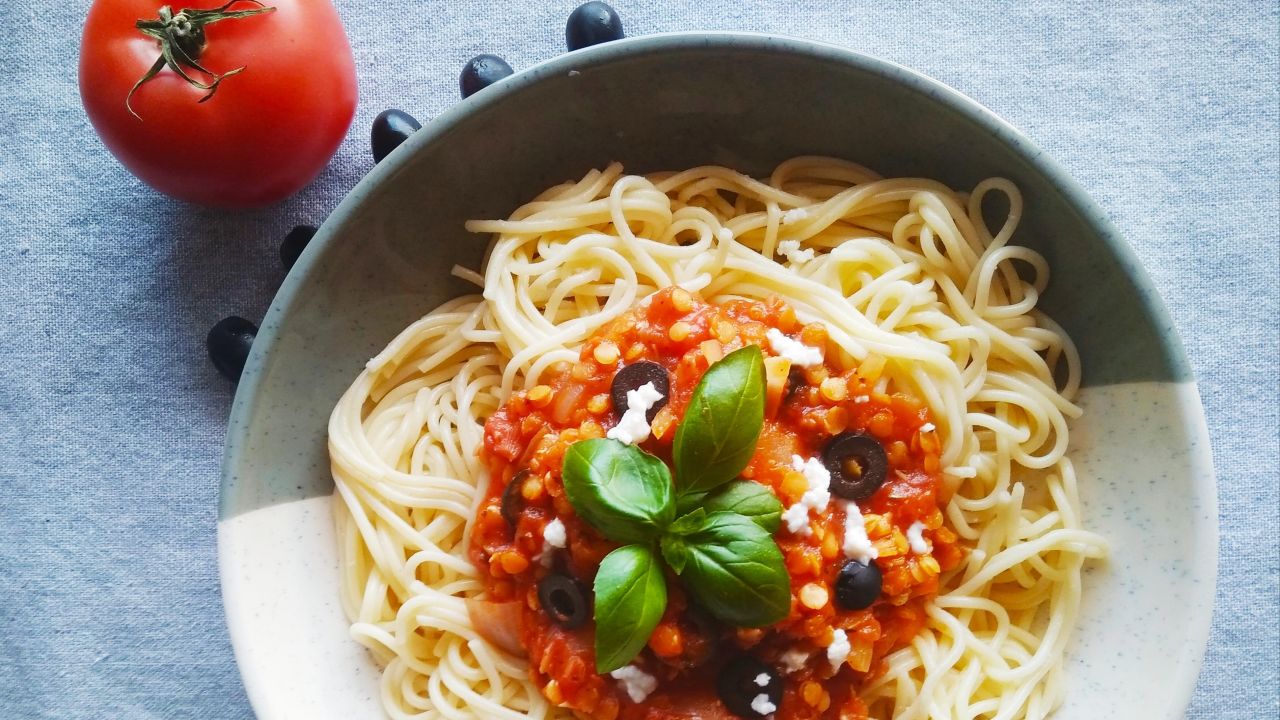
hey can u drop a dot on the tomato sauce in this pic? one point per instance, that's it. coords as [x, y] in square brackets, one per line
[804, 409]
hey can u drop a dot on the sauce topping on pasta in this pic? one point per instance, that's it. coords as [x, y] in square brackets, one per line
[821, 651]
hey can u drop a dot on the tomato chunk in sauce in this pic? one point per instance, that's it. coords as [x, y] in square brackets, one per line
[805, 408]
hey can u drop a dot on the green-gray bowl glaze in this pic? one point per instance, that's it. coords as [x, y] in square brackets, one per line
[382, 260]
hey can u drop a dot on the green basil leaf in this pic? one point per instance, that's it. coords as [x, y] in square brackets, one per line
[687, 524]
[736, 571]
[675, 552]
[750, 499]
[688, 502]
[620, 490]
[718, 434]
[631, 595]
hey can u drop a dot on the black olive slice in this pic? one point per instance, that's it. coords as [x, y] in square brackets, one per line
[795, 381]
[512, 500]
[857, 463]
[858, 585]
[564, 600]
[738, 687]
[632, 377]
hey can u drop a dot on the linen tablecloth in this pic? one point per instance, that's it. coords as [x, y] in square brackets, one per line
[112, 419]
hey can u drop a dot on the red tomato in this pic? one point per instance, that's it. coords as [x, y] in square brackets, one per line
[263, 134]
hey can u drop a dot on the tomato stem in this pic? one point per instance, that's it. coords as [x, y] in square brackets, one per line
[181, 38]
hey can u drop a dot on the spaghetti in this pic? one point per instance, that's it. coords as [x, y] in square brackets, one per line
[904, 274]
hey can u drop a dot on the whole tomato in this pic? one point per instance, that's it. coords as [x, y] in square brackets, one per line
[230, 104]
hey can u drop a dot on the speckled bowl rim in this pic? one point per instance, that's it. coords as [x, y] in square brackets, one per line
[1181, 686]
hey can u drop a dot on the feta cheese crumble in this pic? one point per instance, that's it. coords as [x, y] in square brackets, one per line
[798, 353]
[553, 534]
[928, 427]
[762, 680]
[635, 682]
[862, 398]
[793, 659]
[794, 215]
[816, 497]
[915, 537]
[818, 478]
[790, 249]
[838, 650]
[796, 519]
[634, 425]
[857, 545]
[761, 704]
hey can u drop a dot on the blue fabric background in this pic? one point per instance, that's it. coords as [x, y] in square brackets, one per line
[111, 419]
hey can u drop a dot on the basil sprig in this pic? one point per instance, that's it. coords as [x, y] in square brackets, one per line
[717, 437]
[621, 491]
[735, 570]
[631, 595]
[721, 544]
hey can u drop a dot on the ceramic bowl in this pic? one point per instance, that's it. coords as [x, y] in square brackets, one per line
[670, 102]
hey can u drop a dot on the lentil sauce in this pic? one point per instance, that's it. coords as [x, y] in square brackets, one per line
[804, 410]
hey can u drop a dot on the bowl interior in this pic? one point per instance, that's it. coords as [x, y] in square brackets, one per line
[669, 102]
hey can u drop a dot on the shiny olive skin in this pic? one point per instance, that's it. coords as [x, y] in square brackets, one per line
[590, 24]
[480, 72]
[512, 500]
[391, 128]
[632, 377]
[229, 342]
[564, 600]
[858, 465]
[736, 685]
[294, 243]
[858, 585]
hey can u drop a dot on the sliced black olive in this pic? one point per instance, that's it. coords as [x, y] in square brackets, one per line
[564, 600]
[857, 463]
[591, 24]
[480, 72]
[795, 381]
[858, 585]
[512, 500]
[391, 128]
[738, 687]
[632, 377]
[294, 243]
[228, 343]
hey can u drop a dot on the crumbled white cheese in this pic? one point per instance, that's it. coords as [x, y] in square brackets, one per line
[915, 537]
[796, 519]
[761, 704]
[553, 536]
[816, 497]
[794, 215]
[762, 680]
[928, 427]
[790, 249]
[793, 659]
[862, 398]
[838, 650]
[857, 545]
[798, 353]
[634, 425]
[818, 478]
[724, 235]
[635, 682]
